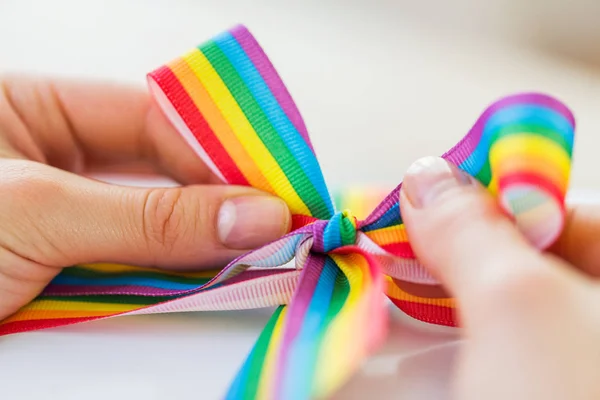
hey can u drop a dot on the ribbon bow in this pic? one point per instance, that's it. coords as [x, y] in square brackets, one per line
[228, 102]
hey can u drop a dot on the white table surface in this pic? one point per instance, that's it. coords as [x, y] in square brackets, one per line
[195, 355]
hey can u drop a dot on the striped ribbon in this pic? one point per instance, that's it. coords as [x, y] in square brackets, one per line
[228, 102]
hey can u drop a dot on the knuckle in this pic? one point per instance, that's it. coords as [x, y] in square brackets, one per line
[162, 218]
[23, 179]
[32, 198]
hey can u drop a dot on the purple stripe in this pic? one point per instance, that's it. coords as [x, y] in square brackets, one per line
[318, 229]
[264, 66]
[91, 290]
[311, 273]
[390, 200]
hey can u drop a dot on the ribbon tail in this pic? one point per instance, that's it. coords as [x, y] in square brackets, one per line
[248, 381]
[312, 346]
[359, 326]
[85, 293]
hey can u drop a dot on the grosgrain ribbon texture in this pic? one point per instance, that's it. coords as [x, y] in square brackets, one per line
[328, 279]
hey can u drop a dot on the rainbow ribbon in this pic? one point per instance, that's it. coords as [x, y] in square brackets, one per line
[228, 102]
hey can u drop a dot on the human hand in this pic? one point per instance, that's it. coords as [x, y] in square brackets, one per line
[531, 319]
[53, 133]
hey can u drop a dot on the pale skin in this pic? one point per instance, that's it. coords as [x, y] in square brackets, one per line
[531, 318]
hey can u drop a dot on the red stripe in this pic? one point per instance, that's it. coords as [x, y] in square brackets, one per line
[298, 221]
[402, 249]
[438, 315]
[527, 178]
[194, 120]
[37, 324]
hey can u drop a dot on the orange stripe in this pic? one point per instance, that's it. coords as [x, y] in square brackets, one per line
[538, 165]
[222, 130]
[395, 292]
[56, 314]
[392, 234]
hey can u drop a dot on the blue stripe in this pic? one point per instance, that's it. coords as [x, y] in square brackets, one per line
[390, 218]
[517, 114]
[122, 281]
[275, 114]
[304, 349]
[332, 238]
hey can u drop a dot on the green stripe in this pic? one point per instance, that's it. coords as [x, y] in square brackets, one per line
[485, 174]
[340, 294]
[537, 130]
[82, 272]
[111, 299]
[256, 359]
[259, 121]
[347, 232]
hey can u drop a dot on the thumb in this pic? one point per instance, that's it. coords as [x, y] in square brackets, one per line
[84, 221]
[459, 233]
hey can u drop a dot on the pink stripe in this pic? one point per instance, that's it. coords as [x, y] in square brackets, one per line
[264, 66]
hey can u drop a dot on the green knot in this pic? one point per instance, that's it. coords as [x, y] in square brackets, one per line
[339, 231]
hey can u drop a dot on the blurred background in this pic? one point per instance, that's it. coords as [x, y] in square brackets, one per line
[379, 82]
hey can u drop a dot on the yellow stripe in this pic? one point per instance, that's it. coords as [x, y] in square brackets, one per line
[266, 383]
[244, 131]
[542, 166]
[391, 234]
[60, 305]
[344, 343]
[529, 146]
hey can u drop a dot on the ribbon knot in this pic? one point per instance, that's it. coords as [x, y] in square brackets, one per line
[334, 233]
[228, 102]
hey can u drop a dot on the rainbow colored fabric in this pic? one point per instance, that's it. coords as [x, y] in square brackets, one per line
[228, 102]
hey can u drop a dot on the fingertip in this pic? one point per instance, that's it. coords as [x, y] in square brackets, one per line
[245, 222]
[456, 228]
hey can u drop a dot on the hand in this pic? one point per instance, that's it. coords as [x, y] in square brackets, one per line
[531, 319]
[52, 133]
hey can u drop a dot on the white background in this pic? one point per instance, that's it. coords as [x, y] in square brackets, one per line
[379, 83]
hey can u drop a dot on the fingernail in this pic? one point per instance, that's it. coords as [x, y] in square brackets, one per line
[430, 177]
[247, 222]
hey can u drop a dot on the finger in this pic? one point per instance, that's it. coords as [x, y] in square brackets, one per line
[579, 243]
[457, 231]
[74, 125]
[84, 221]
